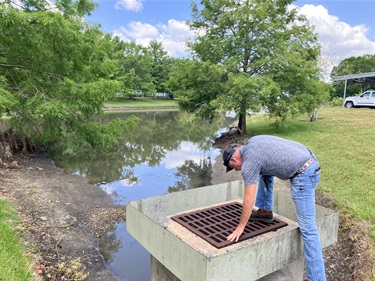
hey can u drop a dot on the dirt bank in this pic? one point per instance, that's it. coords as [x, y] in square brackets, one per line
[64, 216]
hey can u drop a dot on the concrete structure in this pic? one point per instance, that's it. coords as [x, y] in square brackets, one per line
[178, 254]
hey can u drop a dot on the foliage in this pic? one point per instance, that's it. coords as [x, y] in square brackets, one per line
[258, 38]
[353, 65]
[56, 71]
[336, 101]
[251, 91]
[95, 134]
[136, 64]
[160, 68]
[197, 84]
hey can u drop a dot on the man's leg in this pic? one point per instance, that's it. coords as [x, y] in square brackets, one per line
[303, 194]
[264, 200]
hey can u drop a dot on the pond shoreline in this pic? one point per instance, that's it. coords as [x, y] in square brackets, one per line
[139, 108]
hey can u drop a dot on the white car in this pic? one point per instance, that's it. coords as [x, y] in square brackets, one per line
[366, 99]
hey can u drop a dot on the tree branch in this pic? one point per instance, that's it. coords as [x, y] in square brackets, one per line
[14, 66]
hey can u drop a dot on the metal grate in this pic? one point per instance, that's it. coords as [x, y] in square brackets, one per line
[214, 224]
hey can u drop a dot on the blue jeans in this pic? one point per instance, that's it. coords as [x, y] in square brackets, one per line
[264, 198]
[303, 195]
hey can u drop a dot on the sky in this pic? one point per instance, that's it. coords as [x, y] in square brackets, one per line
[345, 27]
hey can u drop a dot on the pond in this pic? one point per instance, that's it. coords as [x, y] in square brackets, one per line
[168, 152]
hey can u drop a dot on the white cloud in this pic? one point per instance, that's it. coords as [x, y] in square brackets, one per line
[339, 39]
[187, 151]
[130, 5]
[138, 30]
[173, 35]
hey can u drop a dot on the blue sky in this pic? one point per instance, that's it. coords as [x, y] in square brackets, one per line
[345, 28]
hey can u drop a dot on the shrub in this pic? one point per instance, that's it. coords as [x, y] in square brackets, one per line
[336, 101]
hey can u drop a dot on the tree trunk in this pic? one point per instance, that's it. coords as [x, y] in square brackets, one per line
[242, 123]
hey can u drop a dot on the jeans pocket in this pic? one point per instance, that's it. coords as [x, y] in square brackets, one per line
[315, 177]
[297, 187]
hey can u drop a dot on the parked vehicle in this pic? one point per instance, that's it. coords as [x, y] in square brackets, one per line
[366, 99]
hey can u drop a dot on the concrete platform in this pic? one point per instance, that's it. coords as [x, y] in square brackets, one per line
[178, 254]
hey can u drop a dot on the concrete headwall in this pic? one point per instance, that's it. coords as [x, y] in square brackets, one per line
[188, 257]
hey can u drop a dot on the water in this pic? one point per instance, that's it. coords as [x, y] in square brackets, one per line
[168, 152]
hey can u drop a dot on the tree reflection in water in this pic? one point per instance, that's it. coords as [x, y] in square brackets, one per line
[109, 243]
[193, 175]
[158, 133]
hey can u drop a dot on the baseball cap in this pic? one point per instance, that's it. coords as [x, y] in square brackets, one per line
[227, 155]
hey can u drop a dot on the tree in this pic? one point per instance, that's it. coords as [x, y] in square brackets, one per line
[246, 89]
[253, 39]
[353, 65]
[136, 66]
[55, 73]
[198, 85]
[160, 66]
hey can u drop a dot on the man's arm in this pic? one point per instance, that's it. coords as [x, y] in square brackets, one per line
[247, 207]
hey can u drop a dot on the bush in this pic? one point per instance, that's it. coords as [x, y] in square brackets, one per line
[336, 102]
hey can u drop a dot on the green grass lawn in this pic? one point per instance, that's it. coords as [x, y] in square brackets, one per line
[142, 102]
[14, 264]
[343, 141]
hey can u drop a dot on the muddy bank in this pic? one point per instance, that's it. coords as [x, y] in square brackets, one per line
[63, 217]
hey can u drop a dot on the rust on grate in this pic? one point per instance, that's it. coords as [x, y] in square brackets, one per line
[214, 224]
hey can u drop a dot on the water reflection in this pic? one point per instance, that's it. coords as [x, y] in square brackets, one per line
[161, 139]
[193, 175]
[133, 266]
[168, 152]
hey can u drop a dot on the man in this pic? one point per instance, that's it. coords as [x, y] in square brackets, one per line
[259, 160]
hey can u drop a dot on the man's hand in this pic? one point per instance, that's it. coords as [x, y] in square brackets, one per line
[247, 206]
[235, 234]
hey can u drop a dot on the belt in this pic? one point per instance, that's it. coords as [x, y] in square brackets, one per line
[304, 167]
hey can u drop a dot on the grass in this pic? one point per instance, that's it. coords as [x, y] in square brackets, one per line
[343, 140]
[14, 264]
[142, 102]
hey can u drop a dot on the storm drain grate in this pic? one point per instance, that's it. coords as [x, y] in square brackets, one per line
[214, 224]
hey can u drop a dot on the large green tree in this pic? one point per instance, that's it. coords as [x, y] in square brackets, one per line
[270, 50]
[160, 68]
[136, 64]
[55, 73]
[353, 65]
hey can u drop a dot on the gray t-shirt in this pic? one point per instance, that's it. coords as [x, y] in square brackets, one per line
[272, 156]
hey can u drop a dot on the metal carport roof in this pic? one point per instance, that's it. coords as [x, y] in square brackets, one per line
[368, 78]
